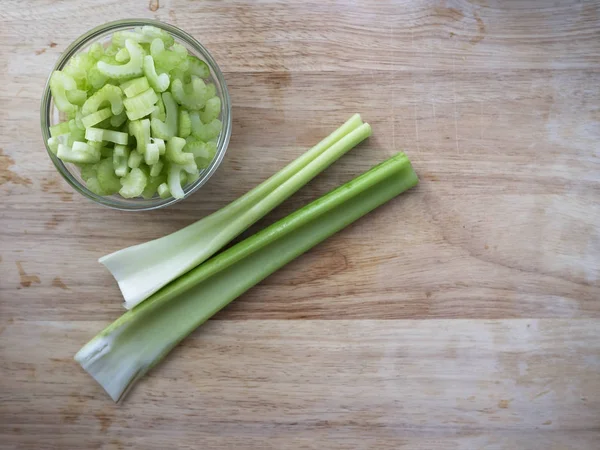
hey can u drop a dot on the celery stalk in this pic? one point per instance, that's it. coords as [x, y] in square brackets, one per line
[143, 269]
[122, 353]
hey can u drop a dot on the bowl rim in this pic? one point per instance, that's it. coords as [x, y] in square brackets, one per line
[223, 140]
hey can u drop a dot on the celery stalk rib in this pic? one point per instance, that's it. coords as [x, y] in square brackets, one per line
[143, 269]
[128, 348]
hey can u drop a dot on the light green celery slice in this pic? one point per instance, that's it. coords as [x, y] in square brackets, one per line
[59, 129]
[159, 83]
[131, 69]
[175, 153]
[143, 269]
[120, 158]
[167, 129]
[99, 134]
[159, 110]
[77, 96]
[96, 50]
[133, 183]
[107, 93]
[109, 182]
[198, 67]
[191, 96]
[122, 55]
[94, 185]
[135, 87]
[53, 144]
[156, 169]
[205, 132]
[152, 154]
[211, 110]
[124, 351]
[79, 153]
[185, 124]
[203, 152]
[162, 148]
[150, 33]
[152, 185]
[88, 171]
[96, 117]
[163, 190]
[140, 129]
[60, 84]
[174, 181]
[141, 105]
[119, 119]
[135, 159]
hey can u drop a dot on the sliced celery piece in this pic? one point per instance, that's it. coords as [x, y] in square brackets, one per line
[94, 185]
[202, 239]
[119, 119]
[120, 158]
[59, 129]
[191, 96]
[108, 93]
[99, 134]
[96, 117]
[159, 83]
[109, 182]
[140, 129]
[198, 67]
[131, 69]
[175, 153]
[88, 171]
[152, 154]
[156, 169]
[124, 351]
[135, 159]
[53, 144]
[77, 96]
[205, 132]
[122, 55]
[134, 87]
[60, 84]
[167, 129]
[203, 152]
[163, 190]
[169, 59]
[141, 105]
[159, 110]
[96, 50]
[133, 183]
[152, 186]
[174, 180]
[185, 124]
[79, 153]
[211, 110]
[162, 148]
[150, 33]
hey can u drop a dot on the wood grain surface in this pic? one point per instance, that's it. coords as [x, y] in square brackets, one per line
[463, 315]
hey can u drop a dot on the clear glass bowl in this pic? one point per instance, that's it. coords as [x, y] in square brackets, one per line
[51, 116]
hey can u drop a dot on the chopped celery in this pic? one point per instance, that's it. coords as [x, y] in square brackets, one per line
[163, 190]
[108, 93]
[211, 110]
[140, 129]
[94, 185]
[159, 110]
[96, 117]
[79, 153]
[59, 129]
[185, 124]
[77, 96]
[198, 67]
[167, 129]
[88, 171]
[202, 239]
[152, 185]
[109, 182]
[162, 148]
[159, 83]
[124, 351]
[120, 159]
[60, 84]
[175, 153]
[99, 134]
[53, 144]
[133, 183]
[141, 105]
[156, 169]
[191, 96]
[174, 180]
[135, 159]
[203, 152]
[132, 69]
[134, 87]
[152, 154]
[205, 132]
[119, 119]
[122, 55]
[96, 50]
[150, 33]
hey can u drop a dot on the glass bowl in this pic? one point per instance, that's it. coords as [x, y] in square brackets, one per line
[51, 116]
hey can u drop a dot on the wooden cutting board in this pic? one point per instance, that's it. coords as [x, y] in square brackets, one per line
[463, 315]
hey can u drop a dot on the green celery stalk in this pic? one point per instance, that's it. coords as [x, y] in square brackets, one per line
[123, 352]
[143, 269]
